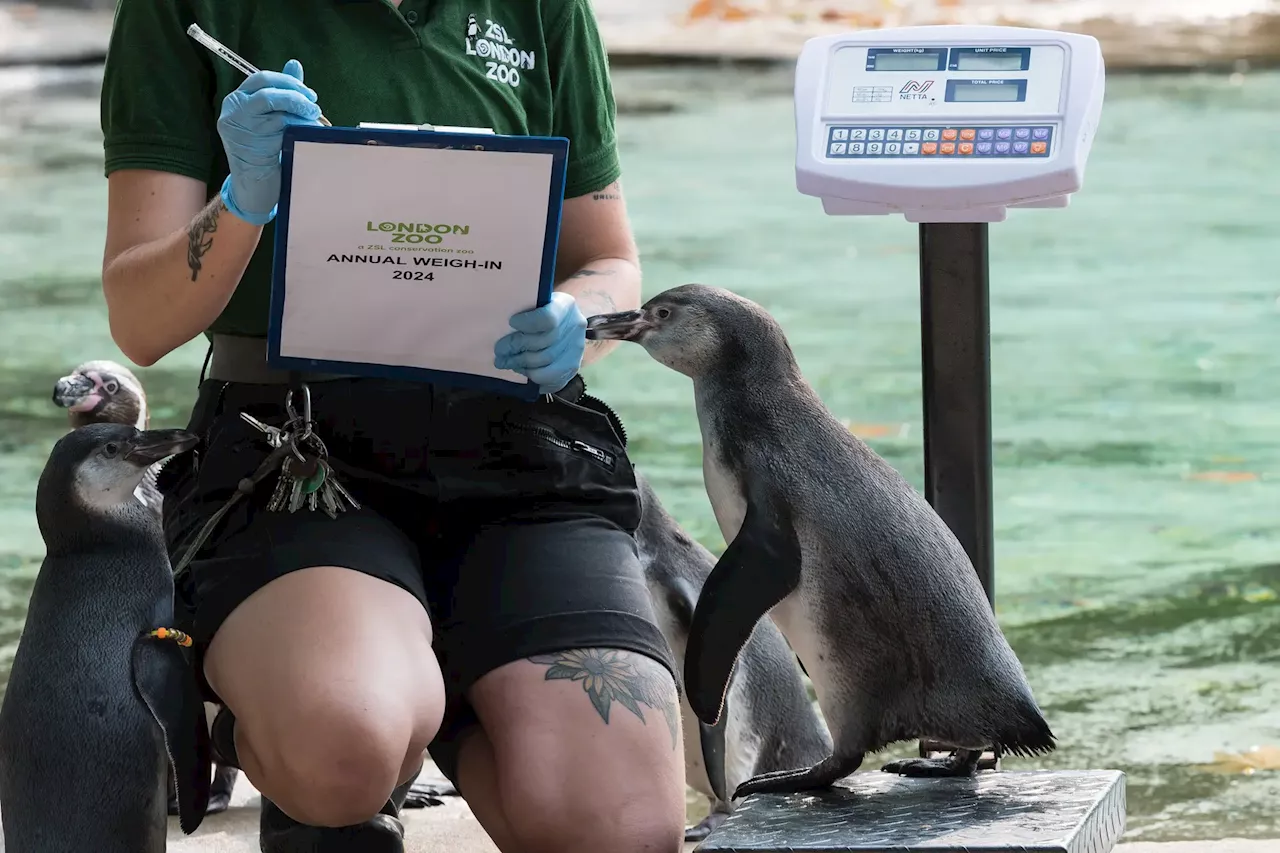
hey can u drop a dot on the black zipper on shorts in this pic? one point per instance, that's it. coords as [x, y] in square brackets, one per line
[573, 445]
[609, 413]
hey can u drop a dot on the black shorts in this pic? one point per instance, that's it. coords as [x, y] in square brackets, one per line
[512, 522]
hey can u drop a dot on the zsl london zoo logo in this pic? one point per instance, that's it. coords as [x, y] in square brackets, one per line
[914, 90]
[418, 232]
[503, 60]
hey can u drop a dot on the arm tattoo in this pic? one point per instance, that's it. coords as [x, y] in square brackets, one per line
[199, 238]
[609, 193]
[604, 297]
[610, 675]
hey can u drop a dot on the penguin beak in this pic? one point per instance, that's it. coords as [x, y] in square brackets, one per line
[154, 445]
[623, 326]
[75, 392]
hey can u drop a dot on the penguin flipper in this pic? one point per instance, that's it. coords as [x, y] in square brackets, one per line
[713, 749]
[760, 567]
[167, 684]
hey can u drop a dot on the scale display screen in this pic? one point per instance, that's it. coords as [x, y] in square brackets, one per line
[906, 62]
[990, 59]
[907, 59]
[986, 91]
[989, 62]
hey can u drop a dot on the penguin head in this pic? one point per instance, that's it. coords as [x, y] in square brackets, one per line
[102, 392]
[96, 467]
[694, 329]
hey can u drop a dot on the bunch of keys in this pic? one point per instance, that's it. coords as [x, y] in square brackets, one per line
[306, 477]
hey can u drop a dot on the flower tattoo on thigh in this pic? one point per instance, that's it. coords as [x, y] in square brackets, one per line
[610, 675]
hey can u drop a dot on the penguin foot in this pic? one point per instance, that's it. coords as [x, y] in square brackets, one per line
[963, 762]
[424, 794]
[821, 775]
[704, 827]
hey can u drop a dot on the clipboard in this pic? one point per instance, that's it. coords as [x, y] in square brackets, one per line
[413, 250]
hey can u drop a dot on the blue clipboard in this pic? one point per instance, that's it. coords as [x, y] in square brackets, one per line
[555, 146]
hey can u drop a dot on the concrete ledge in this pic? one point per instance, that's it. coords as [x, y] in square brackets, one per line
[451, 828]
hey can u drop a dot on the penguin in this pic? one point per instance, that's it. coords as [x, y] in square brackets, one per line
[102, 700]
[103, 391]
[869, 586]
[770, 724]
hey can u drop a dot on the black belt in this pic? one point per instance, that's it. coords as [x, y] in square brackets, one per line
[239, 359]
[244, 360]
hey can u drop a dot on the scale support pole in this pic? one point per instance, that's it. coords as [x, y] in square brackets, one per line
[955, 340]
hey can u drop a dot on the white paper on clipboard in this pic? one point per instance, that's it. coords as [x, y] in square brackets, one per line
[412, 257]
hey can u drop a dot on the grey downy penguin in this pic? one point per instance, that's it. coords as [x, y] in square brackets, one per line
[101, 699]
[103, 391]
[870, 587]
[769, 723]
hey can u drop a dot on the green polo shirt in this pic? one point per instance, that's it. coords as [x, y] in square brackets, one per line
[532, 67]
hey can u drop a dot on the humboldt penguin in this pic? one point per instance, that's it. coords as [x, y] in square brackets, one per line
[103, 391]
[869, 586]
[102, 700]
[769, 723]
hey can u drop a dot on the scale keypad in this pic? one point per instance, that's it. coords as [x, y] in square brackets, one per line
[932, 141]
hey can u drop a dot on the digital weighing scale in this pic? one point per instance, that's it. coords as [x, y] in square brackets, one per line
[949, 126]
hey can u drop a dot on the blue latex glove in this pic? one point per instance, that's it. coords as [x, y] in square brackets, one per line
[252, 129]
[547, 344]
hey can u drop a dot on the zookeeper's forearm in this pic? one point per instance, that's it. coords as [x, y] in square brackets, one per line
[603, 286]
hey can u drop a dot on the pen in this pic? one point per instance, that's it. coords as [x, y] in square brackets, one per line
[232, 58]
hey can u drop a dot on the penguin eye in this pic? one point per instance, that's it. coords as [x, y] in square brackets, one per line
[111, 387]
[663, 313]
[110, 449]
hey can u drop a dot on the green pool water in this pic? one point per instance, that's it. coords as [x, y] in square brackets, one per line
[1135, 365]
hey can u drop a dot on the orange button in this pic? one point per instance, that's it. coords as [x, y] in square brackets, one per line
[966, 147]
[949, 134]
[948, 148]
[929, 148]
[967, 134]
[1038, 147]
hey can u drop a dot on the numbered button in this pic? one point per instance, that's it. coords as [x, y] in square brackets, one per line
[857, 147]
[837, 147]
[986, 133]
[893, 148]
[931, 134]
[858, 133]
[840, 133]
[874, 147]
[913, 133]
[894, 133]
[876, 133]
[1040, 133]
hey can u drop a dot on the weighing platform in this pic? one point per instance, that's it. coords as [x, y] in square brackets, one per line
[949, 126]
